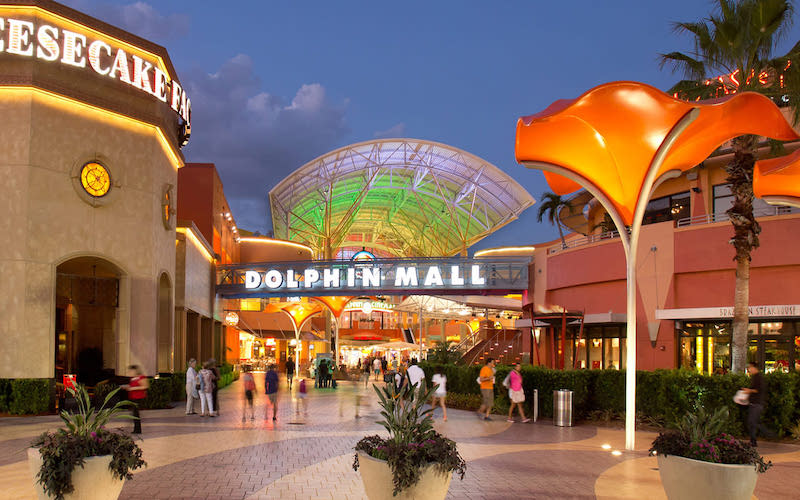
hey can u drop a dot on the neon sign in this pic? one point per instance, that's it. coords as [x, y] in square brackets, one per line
[370, 277]
[26, 38]
[380, 276]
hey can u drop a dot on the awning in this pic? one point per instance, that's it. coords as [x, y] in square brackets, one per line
[397, 346]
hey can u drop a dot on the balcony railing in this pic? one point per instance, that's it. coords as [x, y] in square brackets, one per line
[723, 217]
[583, 240]
[685, 222]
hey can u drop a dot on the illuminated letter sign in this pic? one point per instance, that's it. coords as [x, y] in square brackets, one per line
[393, 276]
[252, 279]
[434, 277]
[330, 278]
[27, 38]
[273, 279]
[371, 277]
[476, 276]
[406, 276]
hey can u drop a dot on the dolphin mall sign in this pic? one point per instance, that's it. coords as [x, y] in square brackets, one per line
[379, 276]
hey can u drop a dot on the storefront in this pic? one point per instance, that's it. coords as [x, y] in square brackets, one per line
[705, 346]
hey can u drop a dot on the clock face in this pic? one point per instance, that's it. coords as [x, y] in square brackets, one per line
[95, 179]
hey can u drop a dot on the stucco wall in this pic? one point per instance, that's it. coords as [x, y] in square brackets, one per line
[46, 222]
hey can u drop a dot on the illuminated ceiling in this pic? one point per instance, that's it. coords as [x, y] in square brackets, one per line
[400, 197]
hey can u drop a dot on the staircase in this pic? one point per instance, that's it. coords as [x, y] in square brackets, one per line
[503, 345]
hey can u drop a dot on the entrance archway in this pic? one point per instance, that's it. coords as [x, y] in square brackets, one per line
[164, 326]
[86, 319]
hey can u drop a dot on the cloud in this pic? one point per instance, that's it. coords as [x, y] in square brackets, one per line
[257, 138]
[398, 130]
[140, 18]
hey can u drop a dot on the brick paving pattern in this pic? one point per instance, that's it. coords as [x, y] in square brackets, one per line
[310, 455]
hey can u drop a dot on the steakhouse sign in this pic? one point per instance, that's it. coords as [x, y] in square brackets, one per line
[25, 38]
[384, 276]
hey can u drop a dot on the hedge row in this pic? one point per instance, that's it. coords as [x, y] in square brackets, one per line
[662, 396]
[23, 396]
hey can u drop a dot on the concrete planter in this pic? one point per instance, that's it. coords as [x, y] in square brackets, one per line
[92, 482]
[377, 478]
[689, 479]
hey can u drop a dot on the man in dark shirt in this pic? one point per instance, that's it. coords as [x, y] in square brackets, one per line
[758, 398]
[271, 386]
[289, 371]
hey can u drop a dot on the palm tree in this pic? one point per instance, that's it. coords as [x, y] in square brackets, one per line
[737, 41]
[551, 204]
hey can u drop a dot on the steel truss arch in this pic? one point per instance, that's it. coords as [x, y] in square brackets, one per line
[406, 197]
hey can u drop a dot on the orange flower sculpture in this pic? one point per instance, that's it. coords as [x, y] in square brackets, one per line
[335, 304]
[777, 180]
[301, 311]
[610, 135]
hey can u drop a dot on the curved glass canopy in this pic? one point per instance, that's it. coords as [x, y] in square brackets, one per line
[396, 197]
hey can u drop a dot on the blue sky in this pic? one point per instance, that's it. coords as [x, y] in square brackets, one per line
[276, 84]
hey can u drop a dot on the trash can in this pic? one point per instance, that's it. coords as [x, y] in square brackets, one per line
[562, 408]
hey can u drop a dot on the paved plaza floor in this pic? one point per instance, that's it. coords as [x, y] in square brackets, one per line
[310, 455]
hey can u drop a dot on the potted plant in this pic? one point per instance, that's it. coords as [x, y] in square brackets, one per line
[700, 461]
[415, 461]
[84, 460]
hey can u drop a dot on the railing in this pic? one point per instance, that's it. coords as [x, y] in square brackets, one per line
[469, 342]
[723, 217]
[584, 240]
[507, 352]
[684, 222]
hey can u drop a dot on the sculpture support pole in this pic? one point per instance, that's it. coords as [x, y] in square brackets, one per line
[630, 244]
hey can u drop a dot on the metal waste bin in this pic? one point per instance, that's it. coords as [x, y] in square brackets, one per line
[562, 408]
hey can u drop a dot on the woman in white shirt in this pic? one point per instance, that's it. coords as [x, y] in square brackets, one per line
[192, 384]
[439, 381]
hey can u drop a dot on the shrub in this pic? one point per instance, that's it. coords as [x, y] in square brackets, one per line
[463, 401]
[5, 394]
[30, 395]
[663, 397]
[159, 394]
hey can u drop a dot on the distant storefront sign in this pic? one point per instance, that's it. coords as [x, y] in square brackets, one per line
[767, 311]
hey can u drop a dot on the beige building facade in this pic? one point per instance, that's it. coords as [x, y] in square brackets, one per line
[93, 121]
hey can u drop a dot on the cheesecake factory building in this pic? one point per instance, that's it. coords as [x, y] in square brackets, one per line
[92, 119]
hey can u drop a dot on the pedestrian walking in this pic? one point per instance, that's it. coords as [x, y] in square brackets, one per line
[515, 393]
[192, 385]
[289, 372]
[302, 392]
[207, 391]
[758, 399]
[439, 381]
[376, 368]
[416, 376]
[366, 368]
[217, 376]
[271, 388]
[249, 388]
[486, 379]
[137, 391]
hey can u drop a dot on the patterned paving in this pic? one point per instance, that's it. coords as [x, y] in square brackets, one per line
[309, 455]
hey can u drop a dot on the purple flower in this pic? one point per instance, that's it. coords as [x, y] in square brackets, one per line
[94, 434]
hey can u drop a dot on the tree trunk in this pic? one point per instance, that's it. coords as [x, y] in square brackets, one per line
[561, 233]
[741, 301]
[745, 239]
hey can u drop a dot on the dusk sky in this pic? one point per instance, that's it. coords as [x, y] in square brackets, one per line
[276, 84]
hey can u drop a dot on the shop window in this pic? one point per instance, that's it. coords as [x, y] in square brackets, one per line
[250, 305]
[706, 346]
[723, 201]
[666, 208]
